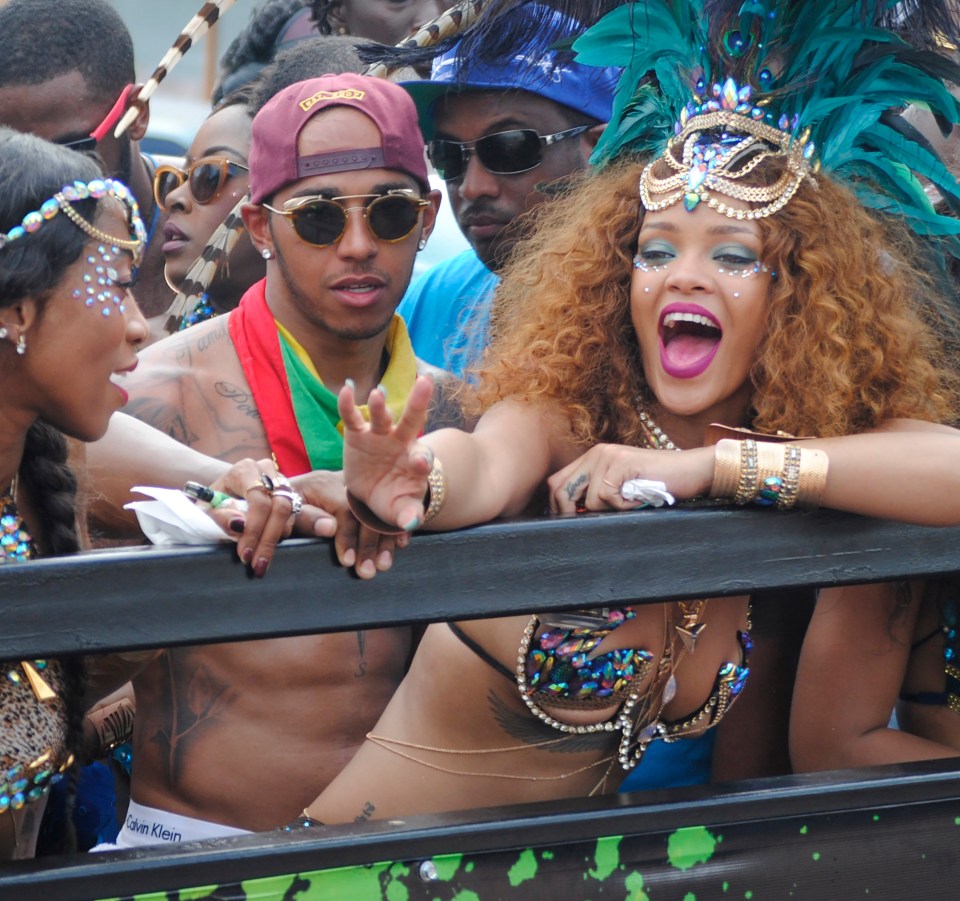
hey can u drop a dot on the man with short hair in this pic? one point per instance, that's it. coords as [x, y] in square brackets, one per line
[64, 66]
[499, 133]
[242, 736]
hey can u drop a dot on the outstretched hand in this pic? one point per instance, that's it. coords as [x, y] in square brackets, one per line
[384, 465]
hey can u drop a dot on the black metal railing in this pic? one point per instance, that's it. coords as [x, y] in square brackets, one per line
[151, 597]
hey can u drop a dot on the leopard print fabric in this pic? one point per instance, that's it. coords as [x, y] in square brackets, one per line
[32, 749]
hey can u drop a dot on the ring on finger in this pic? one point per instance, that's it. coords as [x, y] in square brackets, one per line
[296, 500]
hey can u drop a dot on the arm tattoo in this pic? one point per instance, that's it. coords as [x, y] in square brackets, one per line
[218, 332]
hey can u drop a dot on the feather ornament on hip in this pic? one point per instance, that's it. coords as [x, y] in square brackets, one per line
[204, 269]
[448, 24]
[207, 16]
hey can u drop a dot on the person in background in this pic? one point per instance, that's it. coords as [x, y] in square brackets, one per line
[67, 75]
[503, 135]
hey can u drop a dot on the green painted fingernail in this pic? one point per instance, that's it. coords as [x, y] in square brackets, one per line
[412, 525]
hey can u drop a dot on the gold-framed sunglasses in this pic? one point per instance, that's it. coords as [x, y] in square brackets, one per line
[206, 178]
[322, 221]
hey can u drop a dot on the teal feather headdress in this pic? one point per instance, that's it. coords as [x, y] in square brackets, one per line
[830, 76]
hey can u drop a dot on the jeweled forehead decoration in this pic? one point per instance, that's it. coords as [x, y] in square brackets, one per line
[719, 141]
[63, 202]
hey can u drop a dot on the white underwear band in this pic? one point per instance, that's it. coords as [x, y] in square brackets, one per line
[149, 826]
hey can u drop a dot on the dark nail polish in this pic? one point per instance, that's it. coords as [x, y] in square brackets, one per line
[236, 525]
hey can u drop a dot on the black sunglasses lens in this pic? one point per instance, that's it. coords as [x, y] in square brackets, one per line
[447, 159]
[510, 151]
[206, 182]
[392, 218]
[83, 145]
[167, 182]
[321, 222]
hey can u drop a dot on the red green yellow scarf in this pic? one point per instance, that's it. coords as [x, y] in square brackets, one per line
[299, 413]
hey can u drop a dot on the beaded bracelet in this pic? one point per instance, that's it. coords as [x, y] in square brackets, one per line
[749, 466]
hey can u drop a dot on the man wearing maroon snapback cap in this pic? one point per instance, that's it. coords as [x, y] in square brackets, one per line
[243, 736]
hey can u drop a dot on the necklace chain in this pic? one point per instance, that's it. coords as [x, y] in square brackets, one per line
[656, 437]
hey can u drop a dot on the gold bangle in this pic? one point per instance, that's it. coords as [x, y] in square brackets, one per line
[436, 491]
[747, 482]
[813, 477]
[726, 468]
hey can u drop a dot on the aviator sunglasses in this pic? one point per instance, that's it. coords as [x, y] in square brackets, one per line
[206, 179]
[322, 221]
[504, 153]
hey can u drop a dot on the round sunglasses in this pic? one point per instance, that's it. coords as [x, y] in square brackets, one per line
[322, 221]
[504, 153]
[206, 178]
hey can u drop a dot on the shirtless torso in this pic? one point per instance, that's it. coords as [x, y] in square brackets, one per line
[244, 734]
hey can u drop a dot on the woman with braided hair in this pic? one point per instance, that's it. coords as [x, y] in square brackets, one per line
[70, 241]
[669, 327]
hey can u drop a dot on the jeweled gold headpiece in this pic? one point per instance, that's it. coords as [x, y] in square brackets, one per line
[722, 140]
[63, 202]
[769, 75]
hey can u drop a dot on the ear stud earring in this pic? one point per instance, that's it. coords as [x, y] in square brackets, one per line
[266, 254]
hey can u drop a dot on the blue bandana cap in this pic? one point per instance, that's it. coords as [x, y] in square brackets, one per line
[537, 68]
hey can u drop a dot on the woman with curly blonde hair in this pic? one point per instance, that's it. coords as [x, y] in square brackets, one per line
[724, 322]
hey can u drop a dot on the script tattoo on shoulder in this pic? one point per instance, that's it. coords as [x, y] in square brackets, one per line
[242, 399]
[216, 333]
[527, 728]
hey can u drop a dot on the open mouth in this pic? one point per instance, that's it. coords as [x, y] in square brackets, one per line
[688, 342]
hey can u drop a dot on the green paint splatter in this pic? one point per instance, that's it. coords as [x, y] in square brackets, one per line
[816, 855]
[634, 886]
[748, 894]
[689, 846]
[524, 869]
[726, 886]
[447, 866]
[606, 857]
[876, 818]
[689, 896]
[956, 821]
[191, 893]
[469, 868]
[466, 895]
[547, 855]
[803, 830]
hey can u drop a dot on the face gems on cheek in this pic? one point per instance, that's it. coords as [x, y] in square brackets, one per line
[100, 284]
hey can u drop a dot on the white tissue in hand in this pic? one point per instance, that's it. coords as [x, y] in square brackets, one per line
[172, 518]
[646, 493]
